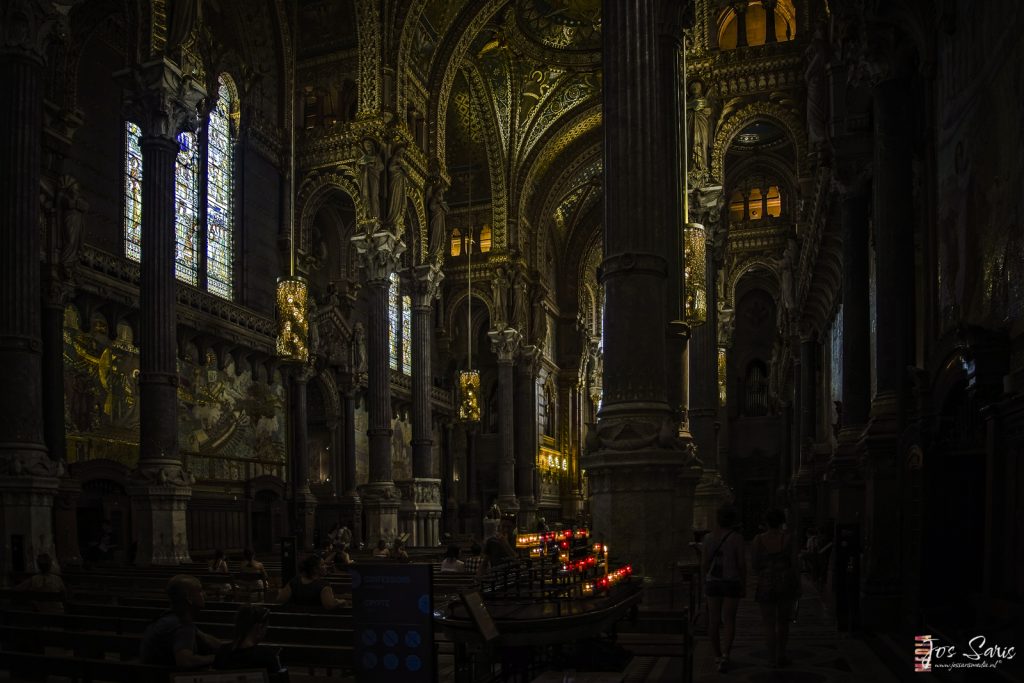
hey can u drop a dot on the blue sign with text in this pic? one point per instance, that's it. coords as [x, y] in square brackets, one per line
[393, 611]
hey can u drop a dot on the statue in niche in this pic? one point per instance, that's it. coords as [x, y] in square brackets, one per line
[396, 189]
[438, 209]
[371, 166]
[71, 234]
[540, 324]
[521, 305]
[784, 266]
[358, 349]
[699, 124]
[499, 288]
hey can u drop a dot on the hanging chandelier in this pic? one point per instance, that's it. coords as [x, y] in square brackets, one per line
[695, 302]
[469, 379]
[292, 300]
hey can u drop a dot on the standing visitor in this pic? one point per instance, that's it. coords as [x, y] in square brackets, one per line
[724, 568]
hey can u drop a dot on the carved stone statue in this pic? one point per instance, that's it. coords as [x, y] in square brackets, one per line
[396, 189]
[499, 292]
[699, 124]
[71, 234]
[438, 209]
[785, 267]
[371, 165]
[817, 87]
[358, 349]
[540, 324]
[521, 305]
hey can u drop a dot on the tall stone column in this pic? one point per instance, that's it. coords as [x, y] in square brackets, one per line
[425, 506]
[379, 252]
[163, 103]
[770, 34]
[28, 477]
[472, 510]
[303, 508]
[807, 417]
[350, 505]
[893, 235]
[526, 433]
[642, 474]
[711, 491]
[844, 473]
[505, 344]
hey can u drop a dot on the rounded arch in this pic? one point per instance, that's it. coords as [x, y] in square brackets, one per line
[449, 59]
[316, 188]
[456, 302]
[789, 120]
[755, 262]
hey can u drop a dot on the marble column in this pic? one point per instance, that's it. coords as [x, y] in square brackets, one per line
[642, 475]
[505, 344]
[349, 503]
[893, 232]
[427, 487]
[379, 252]
[162, 101]
[844, 475]
[526, 433]
[28, 477]
[303, 502]
[711, 491]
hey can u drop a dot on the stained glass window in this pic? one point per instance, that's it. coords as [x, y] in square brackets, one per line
[485, 238]
[220, 167]
[394, 317]
[406, 335]
[189, 232]
[186, 209]
[132, 192]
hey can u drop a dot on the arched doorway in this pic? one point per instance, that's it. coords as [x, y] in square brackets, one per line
[268, 517]
[104, 521]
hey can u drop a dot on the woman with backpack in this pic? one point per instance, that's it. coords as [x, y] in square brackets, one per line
[724, 567]
[774, 556]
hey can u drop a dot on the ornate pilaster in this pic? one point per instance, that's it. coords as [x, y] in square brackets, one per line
[163, 102]
[642, 475]
[379, 253]
[27, 475]
[505, 344]
[526, 433]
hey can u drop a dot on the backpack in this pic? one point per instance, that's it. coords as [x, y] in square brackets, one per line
[717, 567]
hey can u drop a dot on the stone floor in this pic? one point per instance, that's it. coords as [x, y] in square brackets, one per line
[819, 653]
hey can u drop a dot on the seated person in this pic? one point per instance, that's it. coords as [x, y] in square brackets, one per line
[245, 651]
[340, 557]
[252, 575]
[451, 562]
[398, 551]
[173, 639]
[382, 549]
[475, 558]
[218, 565]
[309, 588]
[345, 536]
[45, 582]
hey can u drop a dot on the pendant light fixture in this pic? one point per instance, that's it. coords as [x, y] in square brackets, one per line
[292, 291]
[695, 302]
[469, 379]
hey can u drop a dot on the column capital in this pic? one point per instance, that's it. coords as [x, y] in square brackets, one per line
[505, 343]
[379, 254]
[26, 26]
[160, 99]
[426, 284]
[529, 358]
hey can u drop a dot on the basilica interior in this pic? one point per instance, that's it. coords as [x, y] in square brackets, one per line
[407, 266]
